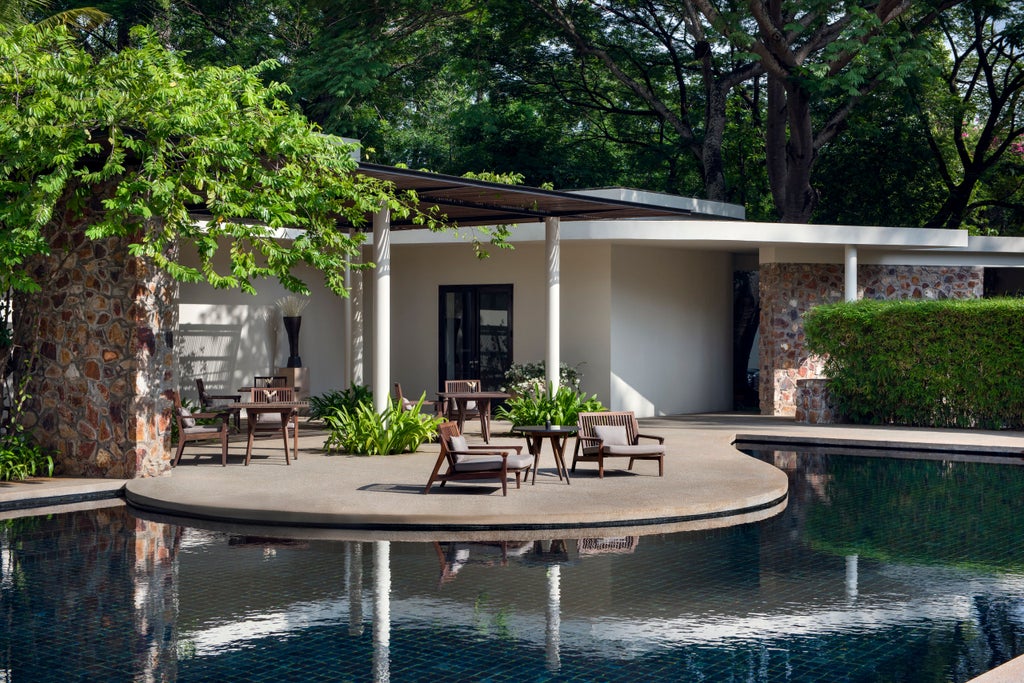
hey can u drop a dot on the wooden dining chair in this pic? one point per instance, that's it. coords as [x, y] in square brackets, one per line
[269, 381]
[271, 423]
[209, 401]
[190, 430]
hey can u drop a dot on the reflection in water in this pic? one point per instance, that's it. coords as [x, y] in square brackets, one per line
[849, 582]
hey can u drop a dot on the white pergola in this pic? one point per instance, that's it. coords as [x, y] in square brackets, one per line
[465, 203]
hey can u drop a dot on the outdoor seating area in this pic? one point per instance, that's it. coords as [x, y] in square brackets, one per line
[272, 409]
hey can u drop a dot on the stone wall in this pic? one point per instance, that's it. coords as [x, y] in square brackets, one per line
[788, 290]
[103, 331]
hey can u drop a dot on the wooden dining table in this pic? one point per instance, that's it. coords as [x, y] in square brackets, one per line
[483, 401]
[289, 412]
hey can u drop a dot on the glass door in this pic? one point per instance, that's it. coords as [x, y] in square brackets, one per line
[475, 333]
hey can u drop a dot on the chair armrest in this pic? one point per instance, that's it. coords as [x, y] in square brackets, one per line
[503, 454]
[220, 397]
[660, 439]
[480, 448]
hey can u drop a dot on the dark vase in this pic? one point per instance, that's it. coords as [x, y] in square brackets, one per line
[291, 327]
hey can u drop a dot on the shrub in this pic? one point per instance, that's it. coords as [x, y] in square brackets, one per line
[347, 399]
[21, 458]
[521, 378]
[363, 431]
[949, 363]
[535, 408]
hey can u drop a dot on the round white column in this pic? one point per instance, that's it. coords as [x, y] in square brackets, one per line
[552, 249]
[381, 309]
[850, 274]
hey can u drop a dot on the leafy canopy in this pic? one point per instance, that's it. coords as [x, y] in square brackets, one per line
[141, 143]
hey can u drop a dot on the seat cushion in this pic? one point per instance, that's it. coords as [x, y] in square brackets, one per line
[518, 462]
[477, 463]
[202, 429]
[612, 435]
[635, 451]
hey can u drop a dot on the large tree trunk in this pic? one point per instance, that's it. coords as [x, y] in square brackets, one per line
[800, 196]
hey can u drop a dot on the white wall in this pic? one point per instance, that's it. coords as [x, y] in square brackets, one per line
[671, 332]
[226, 337]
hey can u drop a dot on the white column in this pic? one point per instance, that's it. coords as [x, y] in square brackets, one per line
[552, 249]
[381, 309]
[850, 275]
[357, 293]
[381, 611]
[349, 345]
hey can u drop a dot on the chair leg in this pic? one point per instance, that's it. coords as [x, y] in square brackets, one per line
[248, 448]
[504, 482]
[600, 467]
[284, 435]
[661, 466]
[433, 475]
[181, 447]
[295, 437]
[224, 444]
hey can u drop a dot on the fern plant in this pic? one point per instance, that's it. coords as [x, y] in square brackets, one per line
[21, 458]
[536, 407]
[363, 431]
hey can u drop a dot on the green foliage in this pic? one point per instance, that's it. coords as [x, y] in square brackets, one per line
[521, 378]
[363, 431]
[535, 407]
[21, 458]
[950, 363]
[151, 142]
[339, 399]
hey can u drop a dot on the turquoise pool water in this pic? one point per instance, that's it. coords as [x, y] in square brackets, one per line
[878, 570]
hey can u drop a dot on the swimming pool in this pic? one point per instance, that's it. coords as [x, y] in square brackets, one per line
[878, 570]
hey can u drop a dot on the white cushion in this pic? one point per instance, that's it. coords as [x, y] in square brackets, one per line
[186, 418]
[457, 444]
[611, 435]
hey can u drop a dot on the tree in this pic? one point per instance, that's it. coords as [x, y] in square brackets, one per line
[975, 129]
[823, 53]
[132, 146]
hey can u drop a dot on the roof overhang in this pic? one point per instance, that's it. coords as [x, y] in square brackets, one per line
[468, 202]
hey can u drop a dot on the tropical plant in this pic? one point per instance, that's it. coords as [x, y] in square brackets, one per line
[21, 457]
[339, 399]
[561, 407]
[364, 431]
[521, 378]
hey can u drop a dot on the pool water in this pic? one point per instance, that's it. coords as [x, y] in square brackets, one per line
[878, 570]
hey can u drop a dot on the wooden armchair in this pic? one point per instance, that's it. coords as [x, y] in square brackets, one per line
[190, 430]
[608, 435]
[475, 463]
[208, 401]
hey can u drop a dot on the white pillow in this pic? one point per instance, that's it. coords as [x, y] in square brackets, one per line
[611, 435]
[186, 418]
[457, 444]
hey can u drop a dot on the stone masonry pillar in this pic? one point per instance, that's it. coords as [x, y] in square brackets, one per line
[102, 329]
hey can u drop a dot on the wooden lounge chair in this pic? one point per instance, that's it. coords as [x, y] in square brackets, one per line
[190, 430]
[615, 435]
[208, 401]
[476, 463]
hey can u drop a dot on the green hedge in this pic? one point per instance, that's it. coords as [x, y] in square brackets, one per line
[948, 363]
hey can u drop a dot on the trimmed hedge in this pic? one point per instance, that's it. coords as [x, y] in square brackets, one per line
[947, 363]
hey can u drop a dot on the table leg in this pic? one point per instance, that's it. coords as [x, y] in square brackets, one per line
[558, 446]
[460, 404]
[285, 418]
[534, 444]
[248, 447]
[484, 407]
